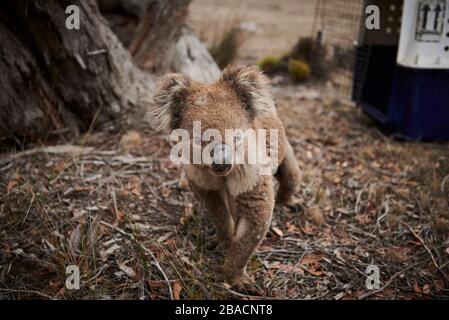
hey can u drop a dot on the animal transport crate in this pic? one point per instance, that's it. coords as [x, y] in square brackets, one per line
[402, 70]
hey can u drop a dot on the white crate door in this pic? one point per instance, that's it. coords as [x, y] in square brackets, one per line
[424, 39]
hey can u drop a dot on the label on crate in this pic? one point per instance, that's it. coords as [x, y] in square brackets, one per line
[424, 40]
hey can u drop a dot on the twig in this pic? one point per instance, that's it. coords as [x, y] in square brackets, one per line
[29, 208]
[61, 149]
[29, 291]
[156, 263]
[427, 249]
[443, 184]
[242, 295]
[386, 285]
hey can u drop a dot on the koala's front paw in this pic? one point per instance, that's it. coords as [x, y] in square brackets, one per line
[240, 280]
[286, 199]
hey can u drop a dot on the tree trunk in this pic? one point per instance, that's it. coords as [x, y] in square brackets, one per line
[131, 21]
[158, 32]
[52, 77]
[191, 57]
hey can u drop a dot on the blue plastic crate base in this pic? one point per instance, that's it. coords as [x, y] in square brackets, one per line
[412, 102]
[419, 105]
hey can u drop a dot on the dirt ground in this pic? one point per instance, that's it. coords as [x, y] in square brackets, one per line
[117, 208]
[269, 27]
[134, 229]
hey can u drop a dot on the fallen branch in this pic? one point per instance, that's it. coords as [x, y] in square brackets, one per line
[61, 149]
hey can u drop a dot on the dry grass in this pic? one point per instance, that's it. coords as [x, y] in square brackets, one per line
[226, 48]
[221, 32]
[277, 24]
[135, 231]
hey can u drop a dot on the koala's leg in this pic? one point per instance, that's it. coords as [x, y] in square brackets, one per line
[254, 210]
[217, 212]
[288, 175]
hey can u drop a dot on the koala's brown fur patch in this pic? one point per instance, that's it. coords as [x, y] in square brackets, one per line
[240, 202]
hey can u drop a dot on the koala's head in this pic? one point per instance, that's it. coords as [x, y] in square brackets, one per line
[233, 102]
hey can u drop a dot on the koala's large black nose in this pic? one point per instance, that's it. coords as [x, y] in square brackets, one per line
[221, 168]
[221, 158]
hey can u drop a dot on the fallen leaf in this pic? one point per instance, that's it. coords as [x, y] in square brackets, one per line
[364, 219]
[60, 166]
[312, 259]
[416, 287]
[165, 237]
[130, 272]
[134, 186]
[120, 215]
[291, 228]
[156, 284]
[11, 185]
[311, 262]
[308, 229]
[55, 286]
[439, 285]
[265, 248]
[177, 288]
[79, 188]
[313, 272]
[277, 231]
[106, 253]
[165, 192]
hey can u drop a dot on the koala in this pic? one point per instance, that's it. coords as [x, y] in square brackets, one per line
[237, 198]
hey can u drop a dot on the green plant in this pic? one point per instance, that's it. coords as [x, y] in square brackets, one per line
[298, 70]
[271, 64]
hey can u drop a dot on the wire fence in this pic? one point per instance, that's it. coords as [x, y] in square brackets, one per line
[335, 32]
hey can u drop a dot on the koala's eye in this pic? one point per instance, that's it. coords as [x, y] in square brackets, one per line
[238, 138]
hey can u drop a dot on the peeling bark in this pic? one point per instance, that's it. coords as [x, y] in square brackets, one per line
[157, 33]
[191, 57]
[52, 77]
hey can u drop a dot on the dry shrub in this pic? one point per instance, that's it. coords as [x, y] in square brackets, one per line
[226, 49]
[221, 31]
[271, 64]
[298, 70]
[303, 49]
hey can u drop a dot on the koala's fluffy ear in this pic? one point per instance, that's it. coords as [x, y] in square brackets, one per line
[251, 86]
[169, 100]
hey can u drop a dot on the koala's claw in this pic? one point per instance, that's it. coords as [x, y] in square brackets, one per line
[248, 285]
[241, 282]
